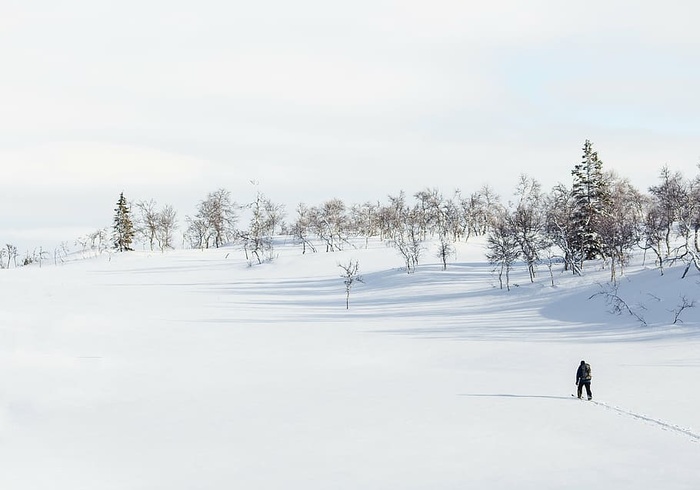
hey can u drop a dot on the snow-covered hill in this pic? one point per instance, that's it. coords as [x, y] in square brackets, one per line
[192, 370]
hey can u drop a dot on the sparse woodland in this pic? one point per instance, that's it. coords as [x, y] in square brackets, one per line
[599, 216]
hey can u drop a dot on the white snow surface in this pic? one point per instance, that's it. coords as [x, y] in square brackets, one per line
[194, 370]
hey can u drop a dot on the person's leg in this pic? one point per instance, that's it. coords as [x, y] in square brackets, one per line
[579, 389]
[588, 390]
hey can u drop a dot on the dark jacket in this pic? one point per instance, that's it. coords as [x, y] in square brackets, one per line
[583, 374]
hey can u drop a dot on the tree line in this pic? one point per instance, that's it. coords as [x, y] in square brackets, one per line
[600, 215]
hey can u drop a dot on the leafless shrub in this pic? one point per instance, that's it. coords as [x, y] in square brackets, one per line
[350, 277]
[616, 304]
[684, 305]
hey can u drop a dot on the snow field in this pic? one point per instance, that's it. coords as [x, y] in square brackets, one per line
[191, 370]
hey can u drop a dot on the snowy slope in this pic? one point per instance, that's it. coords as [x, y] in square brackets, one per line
[192, 370]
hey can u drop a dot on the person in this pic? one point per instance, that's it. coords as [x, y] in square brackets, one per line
[583, 378]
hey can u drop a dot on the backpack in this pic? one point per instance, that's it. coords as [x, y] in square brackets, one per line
[586, 372]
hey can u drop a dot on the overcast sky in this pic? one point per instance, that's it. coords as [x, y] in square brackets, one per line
[169, 100]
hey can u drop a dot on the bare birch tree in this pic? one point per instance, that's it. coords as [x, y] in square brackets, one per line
[502, 248]
[351, 275]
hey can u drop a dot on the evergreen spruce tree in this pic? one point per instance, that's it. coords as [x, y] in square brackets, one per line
[589, 193]
[123, 229]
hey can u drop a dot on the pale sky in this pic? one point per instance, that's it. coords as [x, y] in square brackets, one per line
[169, 100]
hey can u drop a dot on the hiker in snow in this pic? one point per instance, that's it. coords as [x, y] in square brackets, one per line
[583, 378]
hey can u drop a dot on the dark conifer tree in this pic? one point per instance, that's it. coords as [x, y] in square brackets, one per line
[589, 191]
[123, 229]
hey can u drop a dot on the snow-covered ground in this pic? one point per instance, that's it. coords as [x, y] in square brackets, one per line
[192, 370]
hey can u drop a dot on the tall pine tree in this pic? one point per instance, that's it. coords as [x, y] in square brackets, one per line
[589, 191]
[123, 229]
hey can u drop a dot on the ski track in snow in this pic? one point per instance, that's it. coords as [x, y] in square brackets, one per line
[660, 423]
[621, 411]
